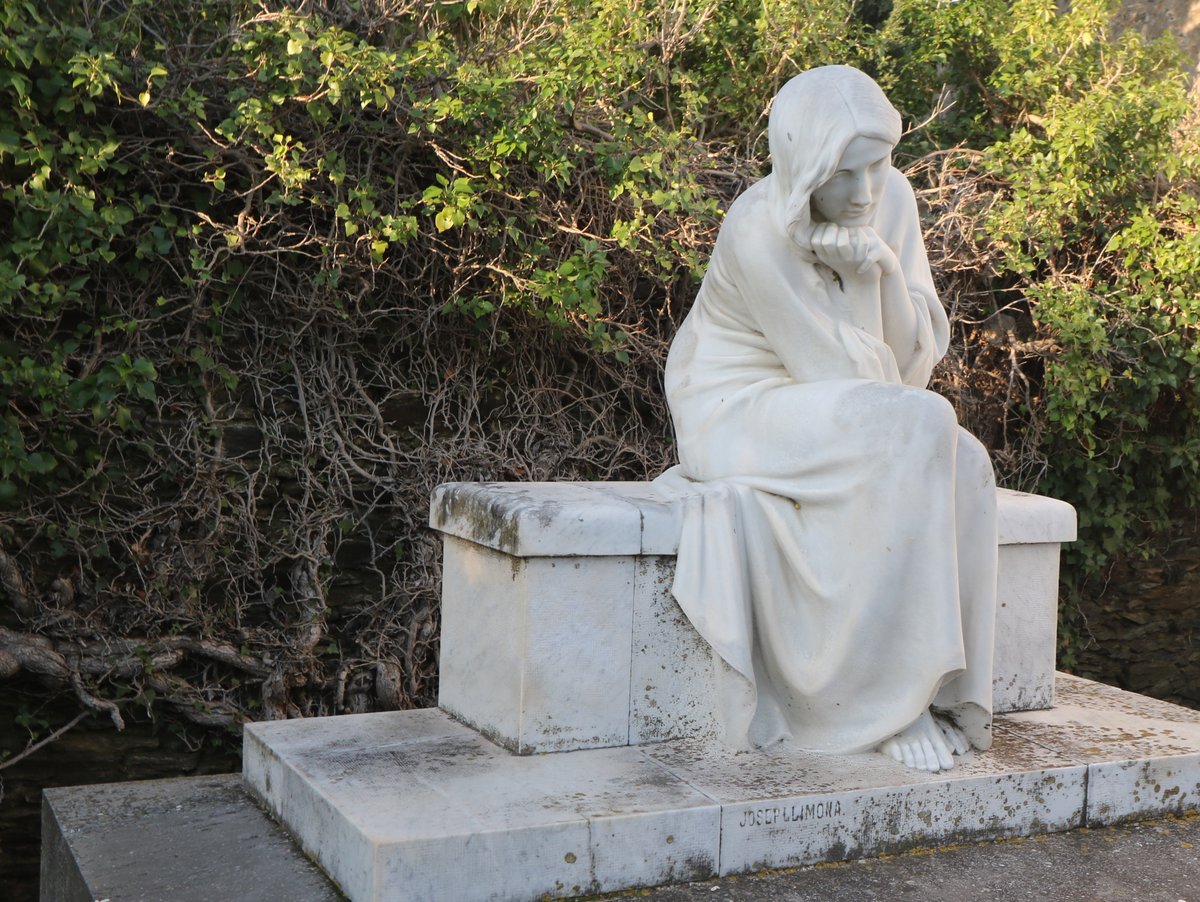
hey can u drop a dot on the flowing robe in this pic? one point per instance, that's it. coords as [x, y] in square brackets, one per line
[839, 542]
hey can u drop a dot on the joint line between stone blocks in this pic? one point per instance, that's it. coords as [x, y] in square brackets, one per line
[638, 560]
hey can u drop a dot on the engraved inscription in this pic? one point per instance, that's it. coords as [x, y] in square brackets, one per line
[786, 814]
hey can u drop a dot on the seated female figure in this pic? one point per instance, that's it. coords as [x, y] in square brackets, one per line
[839, 544]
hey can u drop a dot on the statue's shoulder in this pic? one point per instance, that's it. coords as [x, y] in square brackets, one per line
[899, 190]
[748, 218]
[750, 203]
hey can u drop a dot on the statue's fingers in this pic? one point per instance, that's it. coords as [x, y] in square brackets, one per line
[853, 246]
[820, 238]
[871, 258]
[860, 240]
[831, 239]
[843, 242]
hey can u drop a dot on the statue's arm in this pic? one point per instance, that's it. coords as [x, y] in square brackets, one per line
[756, 271]
[915, 325]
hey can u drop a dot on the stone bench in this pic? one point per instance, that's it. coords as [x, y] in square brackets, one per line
[559, 630]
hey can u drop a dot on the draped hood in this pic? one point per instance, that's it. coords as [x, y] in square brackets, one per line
[813, 118]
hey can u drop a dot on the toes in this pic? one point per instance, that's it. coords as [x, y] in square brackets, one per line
[960, 743]
[929, 744]
[955, 737]
[932, 761]
[945, 760]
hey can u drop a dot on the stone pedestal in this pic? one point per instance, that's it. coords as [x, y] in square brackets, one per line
[559, 631]
[414, 805]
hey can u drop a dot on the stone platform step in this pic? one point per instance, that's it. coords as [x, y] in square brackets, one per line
[413, 805]
[190, 839]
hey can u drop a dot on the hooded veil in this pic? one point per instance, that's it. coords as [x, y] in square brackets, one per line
[838, 549]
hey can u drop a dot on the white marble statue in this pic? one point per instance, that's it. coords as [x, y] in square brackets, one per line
[839, 541]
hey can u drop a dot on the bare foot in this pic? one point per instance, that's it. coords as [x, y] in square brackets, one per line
[929, 744]
[955, 738]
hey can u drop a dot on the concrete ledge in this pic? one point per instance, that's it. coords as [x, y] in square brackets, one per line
[467, 820]
[184, 840]
[1025, 519]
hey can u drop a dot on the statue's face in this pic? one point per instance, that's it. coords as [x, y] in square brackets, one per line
[852, 194]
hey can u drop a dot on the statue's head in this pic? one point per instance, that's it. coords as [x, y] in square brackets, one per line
[825, 123]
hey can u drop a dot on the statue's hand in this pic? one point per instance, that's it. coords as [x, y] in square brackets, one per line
[853, 250]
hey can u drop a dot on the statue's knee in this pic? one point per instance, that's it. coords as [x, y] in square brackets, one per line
[930, 412]
[973, 458]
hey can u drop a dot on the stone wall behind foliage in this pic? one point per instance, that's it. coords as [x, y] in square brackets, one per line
[1155, 17]
[91, 753]
[1141, 631]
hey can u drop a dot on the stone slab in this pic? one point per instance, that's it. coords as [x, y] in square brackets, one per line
[415, 805]
[562, 519]
[538, 519]
[789, 809]
[1026, 637]
[1147, 861]
[182, 840]
[671, 684]
[1026, 519]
